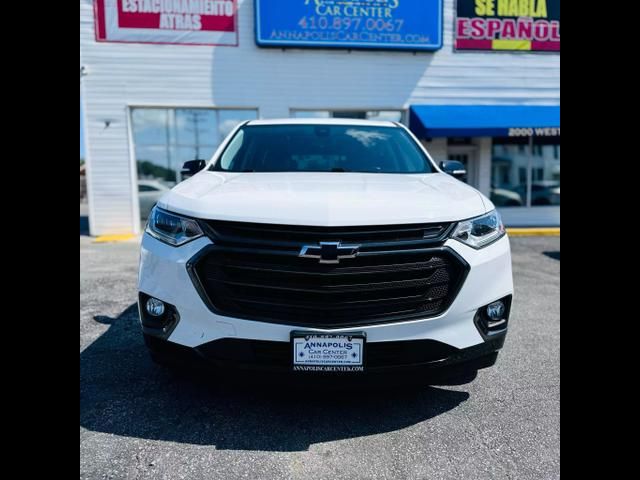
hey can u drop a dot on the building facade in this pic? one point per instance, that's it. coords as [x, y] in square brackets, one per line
[165, 95]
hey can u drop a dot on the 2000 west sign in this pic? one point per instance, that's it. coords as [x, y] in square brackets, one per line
[535, 132]
[382, 24]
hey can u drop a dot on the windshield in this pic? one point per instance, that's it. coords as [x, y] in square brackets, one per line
[322, 148]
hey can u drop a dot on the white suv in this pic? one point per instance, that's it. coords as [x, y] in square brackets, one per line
[327, 248]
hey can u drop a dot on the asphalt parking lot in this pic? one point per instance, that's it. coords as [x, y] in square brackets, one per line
[140, 421]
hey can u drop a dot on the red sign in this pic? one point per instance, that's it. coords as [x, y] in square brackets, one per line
[189, 22]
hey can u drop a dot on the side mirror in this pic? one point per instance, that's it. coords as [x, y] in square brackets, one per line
[192, 167]
[454, 168]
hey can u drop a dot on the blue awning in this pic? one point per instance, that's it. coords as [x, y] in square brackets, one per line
[430, 121]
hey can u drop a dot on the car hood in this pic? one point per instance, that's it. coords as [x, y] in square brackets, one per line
[325, 198]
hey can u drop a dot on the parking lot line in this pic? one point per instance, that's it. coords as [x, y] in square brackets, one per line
[521, 232]
[114, 238]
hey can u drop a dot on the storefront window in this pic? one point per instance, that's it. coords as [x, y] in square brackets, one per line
[522, 175]
[196, 127]
[391, 115]
[228, 119]
[311, 114]
[165, 138]
[151, 126]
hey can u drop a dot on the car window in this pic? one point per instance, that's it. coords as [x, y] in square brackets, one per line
[232, 150]
[323, 148]
[147, 188]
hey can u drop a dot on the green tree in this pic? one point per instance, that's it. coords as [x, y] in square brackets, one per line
[148, 169]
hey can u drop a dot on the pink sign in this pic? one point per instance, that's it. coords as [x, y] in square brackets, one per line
[187, 22]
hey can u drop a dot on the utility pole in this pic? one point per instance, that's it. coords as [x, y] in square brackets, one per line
[195, 117]
[529, 171]
[167, 143]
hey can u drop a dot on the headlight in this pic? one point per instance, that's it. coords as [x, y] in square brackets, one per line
[480, 231]
[171, 228]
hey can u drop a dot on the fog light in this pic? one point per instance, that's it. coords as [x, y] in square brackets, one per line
[495, 310]
[155, 307]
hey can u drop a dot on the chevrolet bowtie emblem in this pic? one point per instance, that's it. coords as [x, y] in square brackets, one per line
[329, 252]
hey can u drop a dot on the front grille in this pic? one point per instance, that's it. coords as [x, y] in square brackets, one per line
[254, 271]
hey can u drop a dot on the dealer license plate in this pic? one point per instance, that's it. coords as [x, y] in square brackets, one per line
[328, 352]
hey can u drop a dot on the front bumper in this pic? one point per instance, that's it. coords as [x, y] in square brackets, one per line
[270, 360]
[453, 335]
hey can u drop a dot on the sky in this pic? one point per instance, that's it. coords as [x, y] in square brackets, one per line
[81, 134]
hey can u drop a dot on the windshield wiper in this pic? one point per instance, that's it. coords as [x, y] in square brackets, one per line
[339, 169]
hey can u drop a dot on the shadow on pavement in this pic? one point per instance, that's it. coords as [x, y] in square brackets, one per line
[123, 393]
[555, 255]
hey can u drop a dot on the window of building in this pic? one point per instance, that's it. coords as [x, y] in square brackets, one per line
[454, 141]
[165, 138]
[522, 175]
[511, 185]
[391, 115]
[538, 174]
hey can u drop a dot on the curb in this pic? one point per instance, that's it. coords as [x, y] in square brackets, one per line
[524, 232]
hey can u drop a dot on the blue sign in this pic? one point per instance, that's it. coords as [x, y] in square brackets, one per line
[378, 24]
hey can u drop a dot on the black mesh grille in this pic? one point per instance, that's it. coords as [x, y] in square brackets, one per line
[283, 236]
[255, 271]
